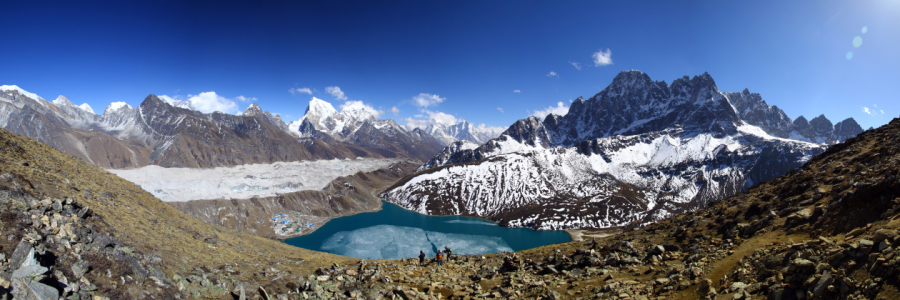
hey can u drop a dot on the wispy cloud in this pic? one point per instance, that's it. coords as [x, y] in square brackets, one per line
[602, 58]
[873, 111]
[336, 92]
[559, 109]
[304, 90]
[576, 64]
[501, 110]
[395, 110]
[432, 117]
[424, 100]
[517, 91]
[242, 98]
[551, 74]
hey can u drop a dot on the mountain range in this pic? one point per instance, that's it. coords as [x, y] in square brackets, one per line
[175, 135]
[636, 152]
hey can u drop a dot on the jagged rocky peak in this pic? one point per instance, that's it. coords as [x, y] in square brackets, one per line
[755, 111]
[529, 131]
[846, 129]
[821, 126]
[253, 110]
[820, 130]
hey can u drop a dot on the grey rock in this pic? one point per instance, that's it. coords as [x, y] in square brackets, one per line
[22, 251]
[80, 268]
[33, 290]
[823, 284]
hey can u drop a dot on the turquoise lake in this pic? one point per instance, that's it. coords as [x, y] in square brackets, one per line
[394, 233]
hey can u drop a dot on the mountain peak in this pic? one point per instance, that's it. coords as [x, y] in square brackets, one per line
[21, 91]
[253, 110]
[630, 78]
[320, 108]
[115, 106]
[62, 100]
[87, 108]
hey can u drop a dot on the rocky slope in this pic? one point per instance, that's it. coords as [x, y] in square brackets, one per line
[76, 231]
[638, 151]
[344, 196]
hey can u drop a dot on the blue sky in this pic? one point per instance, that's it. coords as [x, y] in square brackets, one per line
[488, 62]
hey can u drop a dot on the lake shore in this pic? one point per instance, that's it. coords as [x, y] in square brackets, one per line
[584, 234]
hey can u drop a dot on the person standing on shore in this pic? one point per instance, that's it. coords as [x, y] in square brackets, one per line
[440, 258]
[421, 257]
[448, 251]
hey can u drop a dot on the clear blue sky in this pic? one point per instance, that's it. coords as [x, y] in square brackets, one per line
[471, 54]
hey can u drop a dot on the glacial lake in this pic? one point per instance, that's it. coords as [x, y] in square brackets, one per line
[394, 233]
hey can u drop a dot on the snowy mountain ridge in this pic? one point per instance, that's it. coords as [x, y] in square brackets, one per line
[638, 151]
[461, 131]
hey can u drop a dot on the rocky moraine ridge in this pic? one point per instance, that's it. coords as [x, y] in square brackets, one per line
[637, 152]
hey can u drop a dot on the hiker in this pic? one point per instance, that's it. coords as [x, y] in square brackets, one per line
[421, 257]
[440, 258]
[448, 251]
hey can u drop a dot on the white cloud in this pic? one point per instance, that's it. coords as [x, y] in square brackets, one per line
[551, 74]
[242, 98]
[874, 111]
[395, 110]
[576, 64]
[424, 100]
[168, 99]
[517, 91]
[359, 105]
[495, 129]
[208, 102]
[433, 117]
[602, 58]
[500, 109]
[336, 92]
[559, 109]
[300, 91]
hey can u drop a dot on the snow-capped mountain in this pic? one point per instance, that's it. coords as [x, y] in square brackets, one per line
[160, 133]
[637, 151]
[275, 120]
[359, 126]
[462, 131]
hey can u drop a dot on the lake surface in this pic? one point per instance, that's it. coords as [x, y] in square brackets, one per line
[394, 232]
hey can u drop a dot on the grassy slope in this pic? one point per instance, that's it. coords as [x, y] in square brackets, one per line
[140, 220]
